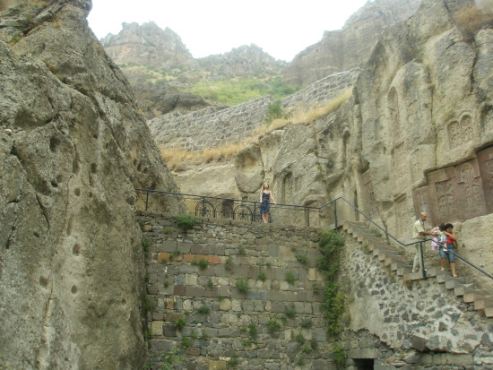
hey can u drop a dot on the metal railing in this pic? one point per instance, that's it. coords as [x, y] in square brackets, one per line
[229, 208]
[328, 214]
[391, 238]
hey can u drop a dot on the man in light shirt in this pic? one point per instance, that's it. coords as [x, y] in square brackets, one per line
[419, 233]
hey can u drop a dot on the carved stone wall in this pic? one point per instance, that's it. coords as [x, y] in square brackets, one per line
[459, 192]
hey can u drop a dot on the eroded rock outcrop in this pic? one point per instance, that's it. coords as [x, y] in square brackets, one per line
[351, 46]
[72, 151]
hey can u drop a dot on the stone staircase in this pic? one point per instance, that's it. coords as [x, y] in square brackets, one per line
[399, 261]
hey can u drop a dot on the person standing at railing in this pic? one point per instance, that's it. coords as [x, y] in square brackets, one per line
[266, 198]
[449, 247]
[421, 234]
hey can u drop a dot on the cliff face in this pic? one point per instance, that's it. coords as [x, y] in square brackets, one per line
[72, 151]
[247, 60]
[416, 134]
[147, 44]
[350, 47]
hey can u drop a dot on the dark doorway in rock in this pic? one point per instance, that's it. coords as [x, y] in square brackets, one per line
[364, 363]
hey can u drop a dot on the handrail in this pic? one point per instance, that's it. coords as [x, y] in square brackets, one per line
[279, 205]
[369, 219]
[334, 203]
[420, 242]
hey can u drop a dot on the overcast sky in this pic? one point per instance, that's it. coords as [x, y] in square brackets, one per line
[282, 28]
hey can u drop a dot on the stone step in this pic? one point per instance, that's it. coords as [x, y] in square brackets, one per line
[472, 295]
[488, 310]
[461, 289]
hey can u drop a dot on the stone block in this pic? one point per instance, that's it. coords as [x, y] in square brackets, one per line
[169, 329]
[225, 304]
[163, 257]
[418, 343]
[217, 365]
[236, 305]
[157, 328]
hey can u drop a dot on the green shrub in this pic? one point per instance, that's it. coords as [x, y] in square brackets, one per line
[186, 222]
[203, 310]
[331, 244]
[228, 265]
[241, 251]
[290, 312]
[302, 259]
[233, 362]
[210, 284]
[252, 332]
[180, 323]
[261, 276]
[145, 246]
[306, 324]
[242, 286]
[339, 356]
[300, 339]
[202, 264]
[273, 327]
[274, 110]
[186, 342]
[290, 278]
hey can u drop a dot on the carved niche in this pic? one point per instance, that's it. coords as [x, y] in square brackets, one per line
[460, 131]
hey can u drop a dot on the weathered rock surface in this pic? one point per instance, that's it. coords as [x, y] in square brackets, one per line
[350, 47]
[72, 151]
[246, 60]
[417, 133]
[147, 44]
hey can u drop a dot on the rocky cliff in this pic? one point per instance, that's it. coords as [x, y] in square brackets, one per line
[72, 151]
[416, 134]
[165, 76]
[246, 60]
[148, 45]
[351, 46]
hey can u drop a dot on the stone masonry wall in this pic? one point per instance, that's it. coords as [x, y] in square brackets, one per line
[425, 324]
[202, 317]
[210, 127]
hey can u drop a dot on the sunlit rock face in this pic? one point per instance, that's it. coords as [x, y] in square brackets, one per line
[72, 151]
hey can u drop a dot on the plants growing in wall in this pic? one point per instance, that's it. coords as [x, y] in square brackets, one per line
[202, 264]
[145, 247]
[331, 244]
[290, 312]
[186, 222]
[242, 286]
[306, 324]
[273, 327]
[203, 310]
[290, 278]
[261, 276]
[228, 265]
[302, 259]
[180, 323]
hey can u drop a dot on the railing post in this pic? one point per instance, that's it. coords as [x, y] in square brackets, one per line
[147, 199]
[335, 214]
[423, 271]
